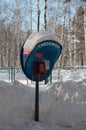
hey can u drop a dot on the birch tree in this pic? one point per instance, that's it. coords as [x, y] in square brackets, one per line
[60, 62]
[45, 15]
[1, 45]
[56, 14]
[19, 33]
[45, 24]
[85, 27]
[75, 37]
[30, 15]
[69, 35]
[38, 16]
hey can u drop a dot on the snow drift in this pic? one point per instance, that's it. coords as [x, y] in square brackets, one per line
[61, 103]
[16, 104]
[64, 103]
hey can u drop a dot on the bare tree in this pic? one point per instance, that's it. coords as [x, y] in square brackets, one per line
[85, 28]
[38, 16]
[69, 35]
[1, 43]
[45, 14]
[19, 33]
[45, 24]
[85, 25]
[56, 15]
[30, 15]
[62, 41]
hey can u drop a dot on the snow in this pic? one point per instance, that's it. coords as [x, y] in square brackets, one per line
[62, 104]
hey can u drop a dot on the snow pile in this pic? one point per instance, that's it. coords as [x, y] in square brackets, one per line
[16, 104]
[36, 126]
[64, 103]
[61, 103]
[66, 75]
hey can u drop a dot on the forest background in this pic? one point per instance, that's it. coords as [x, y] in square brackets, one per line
[66, 18]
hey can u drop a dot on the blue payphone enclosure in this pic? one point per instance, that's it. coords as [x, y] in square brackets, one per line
[40, 48]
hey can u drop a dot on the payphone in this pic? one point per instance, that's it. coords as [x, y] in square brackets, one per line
[38, 56]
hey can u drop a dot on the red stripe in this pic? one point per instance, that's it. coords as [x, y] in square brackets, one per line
[38, 55]
[26, 52]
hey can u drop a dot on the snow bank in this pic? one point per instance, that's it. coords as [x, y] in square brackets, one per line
[62, 103]
[77, 75]
[16, 104]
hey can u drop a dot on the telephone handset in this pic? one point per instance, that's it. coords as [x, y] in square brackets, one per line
[39, 68]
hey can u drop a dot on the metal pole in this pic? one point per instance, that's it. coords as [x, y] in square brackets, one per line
[51, 78]
[37, 102]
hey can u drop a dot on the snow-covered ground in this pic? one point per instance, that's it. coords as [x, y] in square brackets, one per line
[62, 104]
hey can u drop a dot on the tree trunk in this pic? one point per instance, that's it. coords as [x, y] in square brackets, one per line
[45, 24]
[69, 37]
[38, 16]
[75, 37]
[60, 62]
[45, 15]
[85, 29]
[56, 15]
[19, 34]
[30, 15]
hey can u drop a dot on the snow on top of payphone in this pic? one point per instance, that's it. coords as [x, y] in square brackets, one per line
[38, 37]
